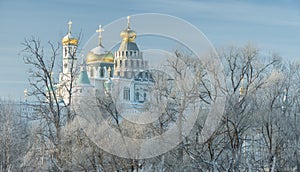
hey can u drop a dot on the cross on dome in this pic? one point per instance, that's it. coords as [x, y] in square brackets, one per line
[68, 39]
[128, 22]
[70, 26]
[100, 30]
[128, 35]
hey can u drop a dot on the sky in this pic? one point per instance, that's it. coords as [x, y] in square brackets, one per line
[274, 26]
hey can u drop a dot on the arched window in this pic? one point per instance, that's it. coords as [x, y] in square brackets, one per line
[65, 65]
[137, 96]
[101, 72]
[66, 51]
[112, 72]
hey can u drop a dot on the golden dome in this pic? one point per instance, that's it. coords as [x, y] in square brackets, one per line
[94, 56]
[109, 57]
[128, 35]
[99, 54]
[68, 40]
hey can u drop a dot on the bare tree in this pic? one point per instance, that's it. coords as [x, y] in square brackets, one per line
[52, 113]
[253, 135]
[14, 135]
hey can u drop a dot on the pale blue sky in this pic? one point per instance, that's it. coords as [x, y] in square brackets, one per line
[272, 25]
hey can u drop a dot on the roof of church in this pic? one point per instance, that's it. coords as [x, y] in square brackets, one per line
[69, 39]
[83, 78]
[99, 54]
[127, 46]
[128, 35]
[94, 56]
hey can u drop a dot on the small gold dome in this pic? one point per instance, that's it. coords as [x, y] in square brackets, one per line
[68, 40]
[93, 57]
[128, 35]
[109, 57]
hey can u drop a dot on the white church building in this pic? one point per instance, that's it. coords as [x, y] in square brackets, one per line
[100, 70]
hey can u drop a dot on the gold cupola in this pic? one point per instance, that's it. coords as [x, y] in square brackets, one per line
[128, 35]
[69, 39]
[99, 54]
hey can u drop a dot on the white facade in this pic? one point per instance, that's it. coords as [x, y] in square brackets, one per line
[102, 71]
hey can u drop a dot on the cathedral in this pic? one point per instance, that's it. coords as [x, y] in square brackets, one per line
[101, 70]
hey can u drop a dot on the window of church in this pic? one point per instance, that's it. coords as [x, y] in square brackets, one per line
[92, 72]
[126, 93]
[66, 51]
[137, 96]
[101, 72]
[111, 73]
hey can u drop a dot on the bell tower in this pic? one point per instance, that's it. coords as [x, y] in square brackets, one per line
[69, 52]
[69, 45]
[128, 59]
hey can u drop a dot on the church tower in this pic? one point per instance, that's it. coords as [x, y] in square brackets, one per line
[128, 59]
[100, 64]
[69, 45]
[69, 52]
[131, 70]
[82, 87]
